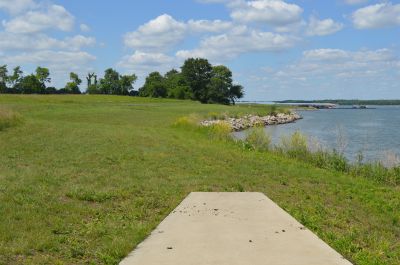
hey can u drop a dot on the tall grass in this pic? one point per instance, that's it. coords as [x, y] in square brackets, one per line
[297, 146]
[257, 139]
[8, 118]
[221, 131]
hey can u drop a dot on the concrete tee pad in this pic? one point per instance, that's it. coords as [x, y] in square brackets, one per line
[232, 229]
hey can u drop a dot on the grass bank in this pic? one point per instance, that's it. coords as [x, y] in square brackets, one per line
[86, 178]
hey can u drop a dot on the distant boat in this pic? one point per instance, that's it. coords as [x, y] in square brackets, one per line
[359, 107]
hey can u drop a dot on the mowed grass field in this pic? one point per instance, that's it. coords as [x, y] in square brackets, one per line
[84, 179]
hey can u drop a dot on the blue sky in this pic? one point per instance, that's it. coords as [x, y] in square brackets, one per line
[305, 49]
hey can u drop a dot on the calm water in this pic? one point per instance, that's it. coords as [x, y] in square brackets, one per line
[372, 131]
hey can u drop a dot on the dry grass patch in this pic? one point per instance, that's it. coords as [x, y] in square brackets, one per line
[8, 118]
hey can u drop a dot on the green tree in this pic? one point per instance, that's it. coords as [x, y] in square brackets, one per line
[126, 83]
[30, 85]
[110, 84]
[220, 85]
[73, 86]
[176, 85]
[235, 93]
[43, 75]
[3, 78]
[75, 78]
[197, 73]
[154, 86]
[15, 78]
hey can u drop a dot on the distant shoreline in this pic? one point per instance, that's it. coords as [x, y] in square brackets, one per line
[375, 102]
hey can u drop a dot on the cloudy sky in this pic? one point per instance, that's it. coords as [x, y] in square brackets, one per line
[304, 49]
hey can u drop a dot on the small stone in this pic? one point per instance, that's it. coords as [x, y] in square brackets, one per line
[169, 247]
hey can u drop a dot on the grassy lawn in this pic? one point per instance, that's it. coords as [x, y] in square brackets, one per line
[83, 179]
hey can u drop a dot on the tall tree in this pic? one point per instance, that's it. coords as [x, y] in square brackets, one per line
[176, 85]
[43, 75]
[109, 84]
[197, 73]
[73, 86]
[154, 86]
[92, 84]
[235, 93]
[15, 78]
[126, 83]
[3, 78]
[75, 78]
[220, 85]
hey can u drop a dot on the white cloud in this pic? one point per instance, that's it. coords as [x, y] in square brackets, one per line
[162, 32]
[323, 27]
[57, 60]
[238, 41]
[325, 55]
[208, 25]
[336, 63]
[142, 62]
[272, 12]
[377, 16]
[17, 6]
[84, 28]
[355, 2]
[54, 17]
[329, 73]
[27, 42]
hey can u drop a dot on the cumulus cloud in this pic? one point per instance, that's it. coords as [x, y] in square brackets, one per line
[238, 41]
[17, 6]
[162, 32]
[58, 60]
[273, 12]
[213, 26]
[20, 42]
[54, 17]
[377, 16]
[323, 27]
[329, 73]
[143, 62]
[340, 63]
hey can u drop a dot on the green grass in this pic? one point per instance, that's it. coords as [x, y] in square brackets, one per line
[84, 179]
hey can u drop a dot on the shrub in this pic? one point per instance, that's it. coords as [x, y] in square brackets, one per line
[8, 118]
[258, 139]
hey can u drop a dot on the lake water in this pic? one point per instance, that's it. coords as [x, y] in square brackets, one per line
[374, 132]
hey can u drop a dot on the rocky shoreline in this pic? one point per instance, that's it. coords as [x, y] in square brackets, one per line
[248, 121]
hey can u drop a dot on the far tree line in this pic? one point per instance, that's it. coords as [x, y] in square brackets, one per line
[196, 80]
